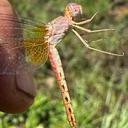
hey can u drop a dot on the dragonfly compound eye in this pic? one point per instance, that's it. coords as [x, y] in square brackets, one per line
[73, 11]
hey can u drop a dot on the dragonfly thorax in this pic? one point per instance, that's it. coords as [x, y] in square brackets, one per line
[57, 29]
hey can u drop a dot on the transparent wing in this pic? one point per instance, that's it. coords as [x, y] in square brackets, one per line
[22, 44]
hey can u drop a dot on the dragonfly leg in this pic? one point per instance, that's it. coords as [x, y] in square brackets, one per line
[58, 70]
[91, 31]
[91, 48]
[85, 21]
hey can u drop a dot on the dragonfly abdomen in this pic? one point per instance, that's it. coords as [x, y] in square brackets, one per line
[58, 70]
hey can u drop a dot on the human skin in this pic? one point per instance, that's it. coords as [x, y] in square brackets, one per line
[17, 91]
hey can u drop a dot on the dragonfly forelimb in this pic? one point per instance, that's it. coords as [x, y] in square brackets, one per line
[91, 48]
[91, 31]
[85, 21]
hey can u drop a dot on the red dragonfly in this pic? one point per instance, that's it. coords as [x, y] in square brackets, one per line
[38, 42]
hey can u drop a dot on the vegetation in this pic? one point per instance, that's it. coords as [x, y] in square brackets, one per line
[98, 83]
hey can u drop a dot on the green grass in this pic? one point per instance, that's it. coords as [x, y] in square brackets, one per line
[98, 83]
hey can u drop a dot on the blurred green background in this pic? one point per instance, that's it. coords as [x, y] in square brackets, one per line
[98, 83]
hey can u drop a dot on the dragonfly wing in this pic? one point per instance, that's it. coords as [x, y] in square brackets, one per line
[36, 51]
[22, 44]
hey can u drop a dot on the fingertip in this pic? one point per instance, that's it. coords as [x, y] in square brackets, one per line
[5, 7]
[24, 80]
[16, 92]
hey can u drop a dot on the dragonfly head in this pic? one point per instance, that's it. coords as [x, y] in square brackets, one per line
[73, 11]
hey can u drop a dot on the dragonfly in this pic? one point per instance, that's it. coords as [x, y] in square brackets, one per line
[38, 42]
